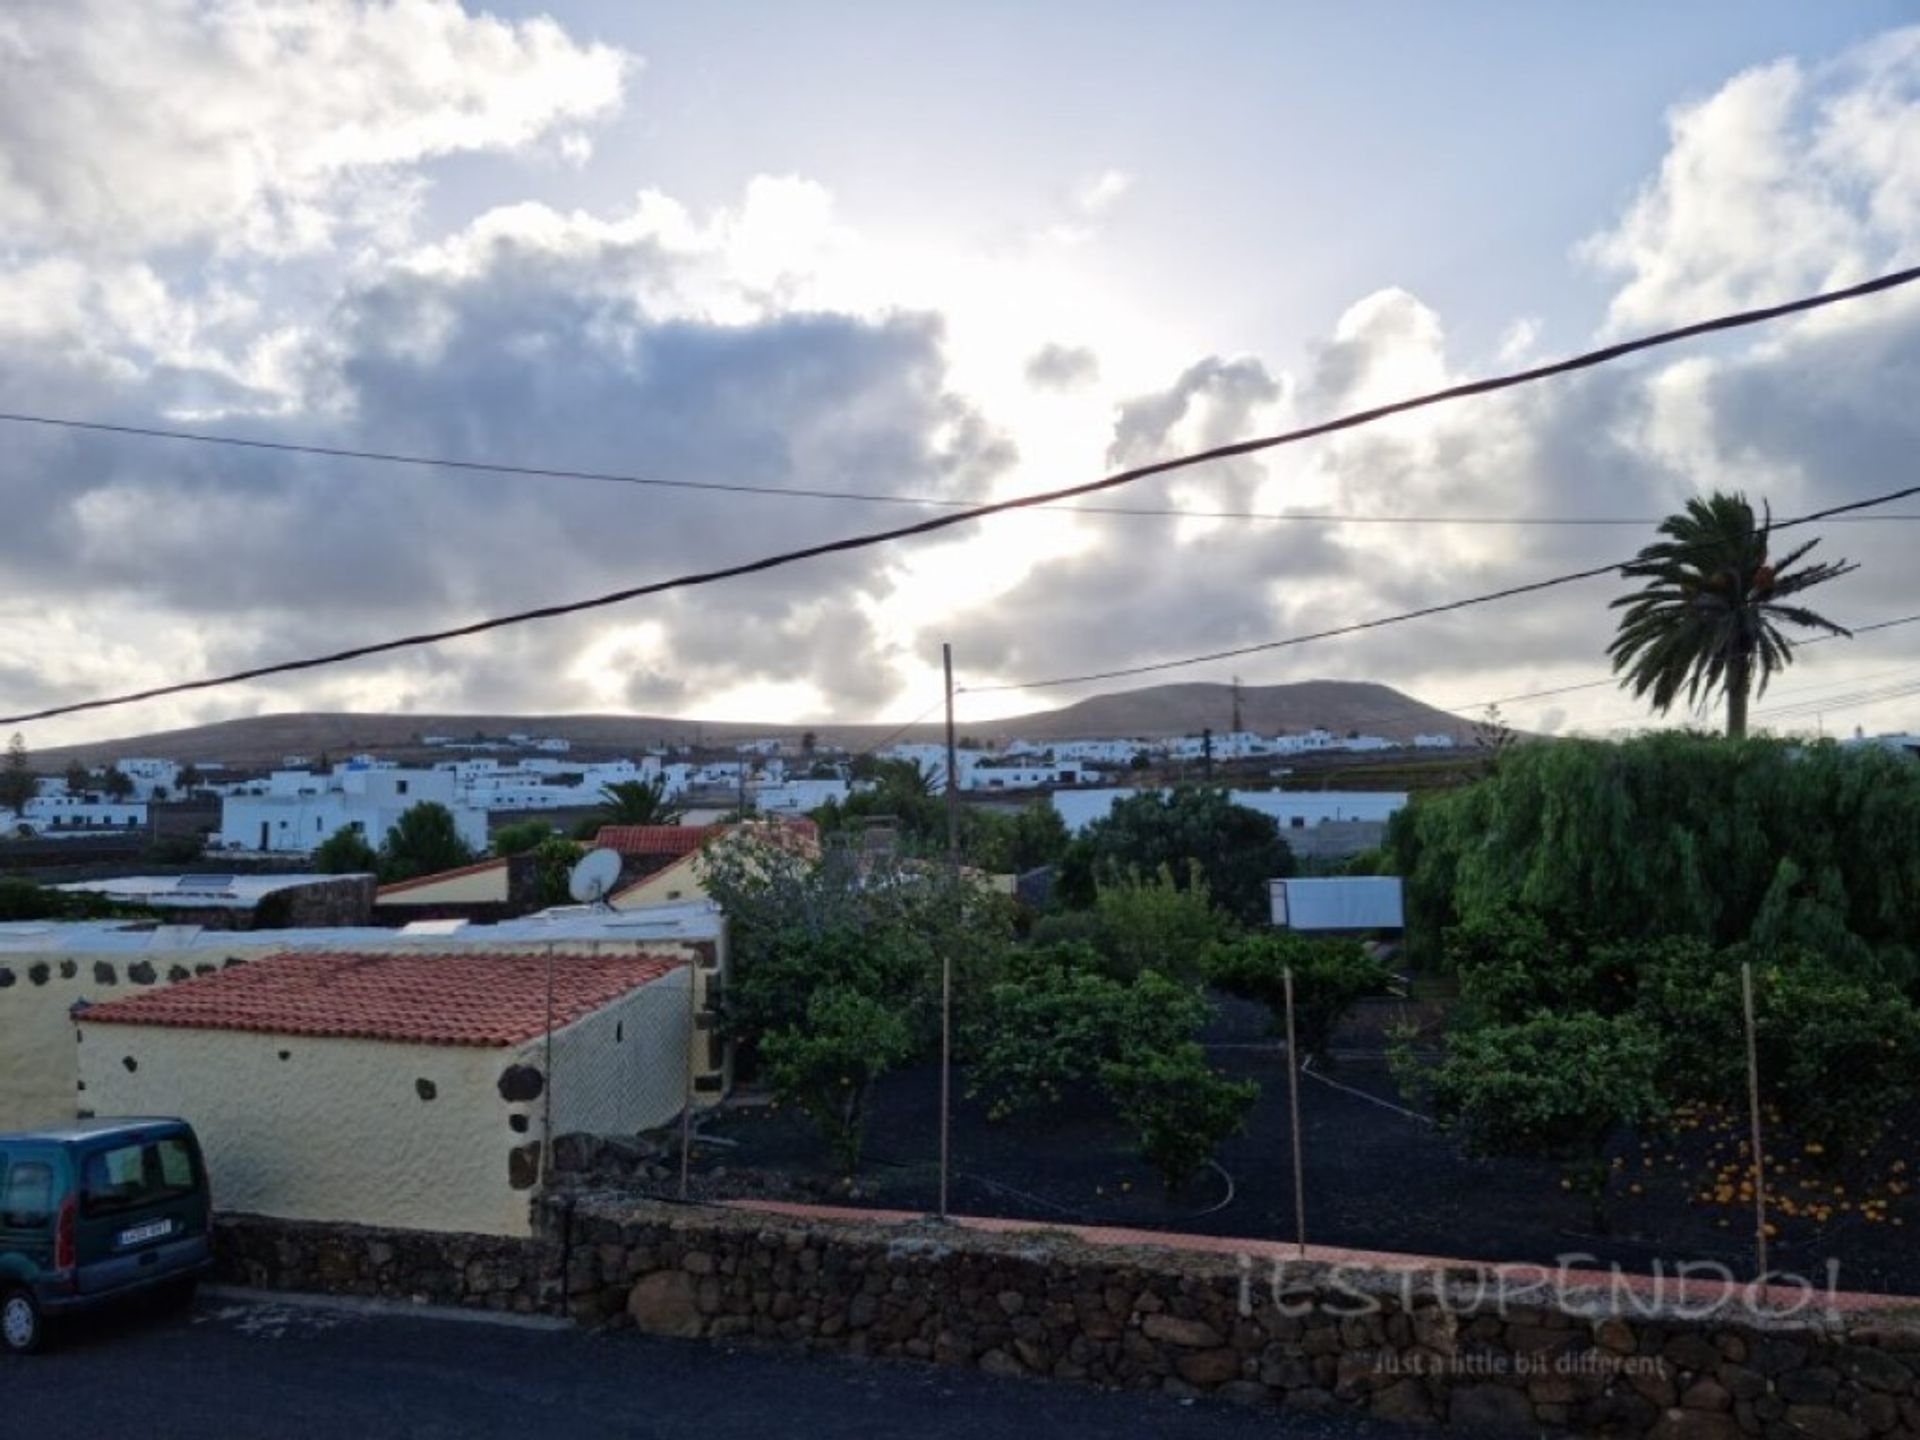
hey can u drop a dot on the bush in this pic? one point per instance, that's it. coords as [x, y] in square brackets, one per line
[521, 836]
[24, 900]
[1329, 975]
[1153, 922]
[1181, 1108]
[345, 852]
[423, 841]
[1838, 1057]
[827, 1065]
[1558, 1086]
[553, 862]
[1057, 1019]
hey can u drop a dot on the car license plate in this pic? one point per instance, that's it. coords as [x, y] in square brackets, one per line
[152, 1230]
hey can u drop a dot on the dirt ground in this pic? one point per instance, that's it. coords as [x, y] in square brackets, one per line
[1376, 1177]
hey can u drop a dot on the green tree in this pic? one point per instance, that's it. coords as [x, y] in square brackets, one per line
[17, 784]
[1558, 1086]
[797, 920]
[1709, 618]
[637, 802]
[190, 779]
[1237, 850]
[79, 779]
[809, 742]
[1154, 922]
[828, 1063]
[1180, 1107]
[1329, 977]
[1056, 1017]
[116, 783]
[897, 790]
[1674, 835]
[423, 841]
[346, 852]
[553, 862]
[521, 836]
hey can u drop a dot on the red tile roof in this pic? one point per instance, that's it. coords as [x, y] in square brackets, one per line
[465, 998]
[678, 840]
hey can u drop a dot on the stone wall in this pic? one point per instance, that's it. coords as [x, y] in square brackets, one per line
[1047, 1304]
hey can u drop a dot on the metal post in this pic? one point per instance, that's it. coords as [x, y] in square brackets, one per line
[946, 951]
[686, 1108]
[1753, 1112]
[1293, 1101]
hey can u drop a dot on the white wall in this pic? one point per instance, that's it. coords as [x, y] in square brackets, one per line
[1293, 809]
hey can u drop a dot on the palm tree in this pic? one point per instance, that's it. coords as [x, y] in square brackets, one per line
[637, 802]
[1709, 617]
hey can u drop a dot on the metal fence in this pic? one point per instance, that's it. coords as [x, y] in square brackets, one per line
[1336, 1152]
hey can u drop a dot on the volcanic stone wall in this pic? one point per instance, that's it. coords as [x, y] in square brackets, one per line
[1046, 1304]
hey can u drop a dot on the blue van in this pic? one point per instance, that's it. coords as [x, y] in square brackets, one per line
[96, 1211]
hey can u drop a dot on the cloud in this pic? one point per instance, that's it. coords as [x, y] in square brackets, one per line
[1062, 367]
[264, 125]
[1096, 195]
[528, 338]
[1787, 179]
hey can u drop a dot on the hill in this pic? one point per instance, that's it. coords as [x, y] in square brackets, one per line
[1153, 712]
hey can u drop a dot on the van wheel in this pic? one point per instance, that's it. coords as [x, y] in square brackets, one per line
[21, 1327]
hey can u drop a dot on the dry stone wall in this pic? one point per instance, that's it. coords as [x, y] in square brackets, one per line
[1046, 1304]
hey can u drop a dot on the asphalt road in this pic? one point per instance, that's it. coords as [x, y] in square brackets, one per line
[257, 1367]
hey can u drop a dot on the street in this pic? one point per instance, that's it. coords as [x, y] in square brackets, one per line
[255, 1366]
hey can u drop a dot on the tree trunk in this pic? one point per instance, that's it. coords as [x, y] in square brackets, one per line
[1739, 681]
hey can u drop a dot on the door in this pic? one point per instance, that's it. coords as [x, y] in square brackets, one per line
[263, 835]
[143, 1209]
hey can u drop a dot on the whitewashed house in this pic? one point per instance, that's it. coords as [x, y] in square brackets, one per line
[301, 810]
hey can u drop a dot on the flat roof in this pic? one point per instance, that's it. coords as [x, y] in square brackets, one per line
[489, 999]
[198, 892]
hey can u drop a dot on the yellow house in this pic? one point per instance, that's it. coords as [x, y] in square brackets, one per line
[486, 883]
[49, 966]
[404, 1087]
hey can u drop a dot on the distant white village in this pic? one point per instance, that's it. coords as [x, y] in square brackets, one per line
[293, 809]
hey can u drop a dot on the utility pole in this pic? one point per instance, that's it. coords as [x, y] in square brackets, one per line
[946, 951]
[1237, 726]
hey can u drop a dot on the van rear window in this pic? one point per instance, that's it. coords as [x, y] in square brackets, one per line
[129, 1176]
[27, 1202]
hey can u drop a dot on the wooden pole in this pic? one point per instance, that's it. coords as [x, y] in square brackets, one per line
[946, 951]
[1293, 1102]
[1753, 1114]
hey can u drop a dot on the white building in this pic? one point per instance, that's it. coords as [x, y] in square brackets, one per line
[301, 810]
[150, 777]
[797, 797]
[61, 815]
[1292, 809]
[1433, 742]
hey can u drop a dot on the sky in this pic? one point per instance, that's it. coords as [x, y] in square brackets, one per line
[945, 252]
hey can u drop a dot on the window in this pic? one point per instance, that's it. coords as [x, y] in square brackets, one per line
[28, 1201]
[129, 1176]
[1298, 822]
[399, 787]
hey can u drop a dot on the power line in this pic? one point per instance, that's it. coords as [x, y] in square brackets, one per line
[1380, 622]
[785, 492]
[1352, 420]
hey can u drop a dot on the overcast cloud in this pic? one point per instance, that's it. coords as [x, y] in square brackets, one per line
[215, 216]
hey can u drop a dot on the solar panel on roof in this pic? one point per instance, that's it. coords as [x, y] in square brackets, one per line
[201, 884]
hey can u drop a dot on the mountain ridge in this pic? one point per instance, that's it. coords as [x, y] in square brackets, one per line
[1153, 712]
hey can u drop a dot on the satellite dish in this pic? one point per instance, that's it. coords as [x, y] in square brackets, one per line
[596, 874]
